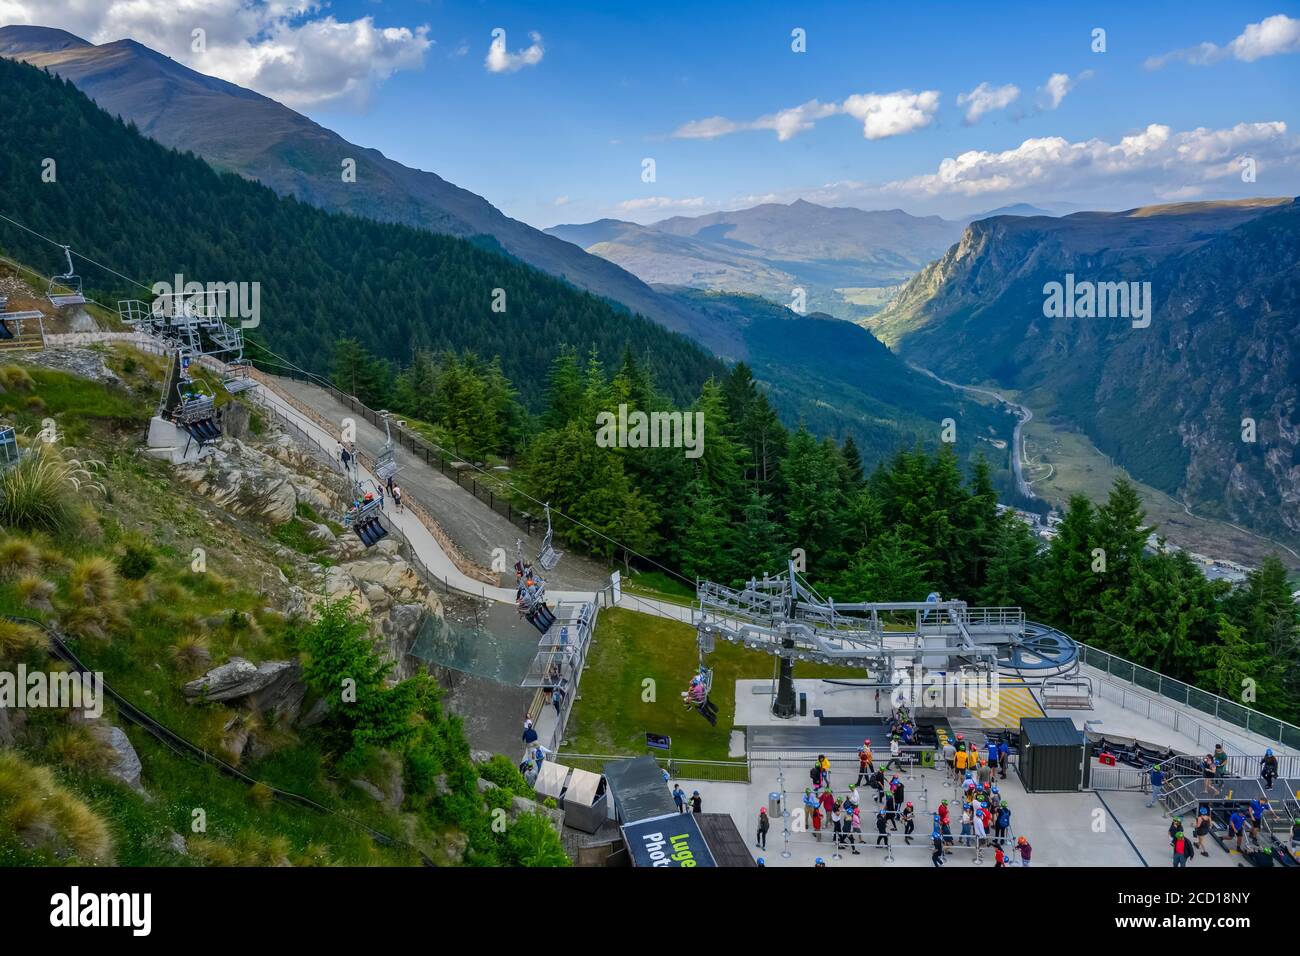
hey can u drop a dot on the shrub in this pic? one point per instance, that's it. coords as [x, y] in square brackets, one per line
[77, 747]
[136, 561]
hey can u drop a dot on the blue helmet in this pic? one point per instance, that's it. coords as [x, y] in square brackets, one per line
[762, 862]
[1268, 752]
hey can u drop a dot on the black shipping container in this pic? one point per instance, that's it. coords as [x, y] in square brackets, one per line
[1053, 755]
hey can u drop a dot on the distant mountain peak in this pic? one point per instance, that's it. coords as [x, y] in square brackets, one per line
[23, 38]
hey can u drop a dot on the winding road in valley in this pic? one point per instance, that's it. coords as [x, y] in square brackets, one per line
[1024, 415]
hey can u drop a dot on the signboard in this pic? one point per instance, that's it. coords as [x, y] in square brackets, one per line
[658, 742]
[672, 841]
[616, 584]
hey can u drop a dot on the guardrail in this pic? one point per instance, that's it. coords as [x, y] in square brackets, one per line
[1185, 695]
[715, 771]
[449, 463]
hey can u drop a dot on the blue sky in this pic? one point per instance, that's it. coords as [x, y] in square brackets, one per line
[562, 137]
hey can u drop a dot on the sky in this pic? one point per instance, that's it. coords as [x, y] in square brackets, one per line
[551, 110]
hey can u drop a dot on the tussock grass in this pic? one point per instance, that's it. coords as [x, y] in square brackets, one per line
[18, 556]
[18, 640]
[47, 818]
[41, 492]
[35, 592]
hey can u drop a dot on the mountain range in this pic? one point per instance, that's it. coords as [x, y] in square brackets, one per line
[1201, 398]
[847, 261]
[244, 132]
[418, 288]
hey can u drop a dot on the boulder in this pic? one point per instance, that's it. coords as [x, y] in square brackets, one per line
[273, 686]
[126, 764]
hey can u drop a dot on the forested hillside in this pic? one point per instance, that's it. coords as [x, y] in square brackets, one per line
[151, 213]
[1169, 399]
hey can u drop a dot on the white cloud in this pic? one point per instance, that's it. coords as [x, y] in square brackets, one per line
[891, 114]
[1157, 155]
[1272, 36]
[984, 99]
[882, 114]
[661, 203]
[501, 60]
[281, 48]
[1051, 93]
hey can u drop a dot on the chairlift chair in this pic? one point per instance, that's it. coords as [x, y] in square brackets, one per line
[363, 518]
[386, 462]
[197, 411]
[238, 378]
[69, 280]
[549, 556]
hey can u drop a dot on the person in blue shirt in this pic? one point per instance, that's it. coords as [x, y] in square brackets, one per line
[1157, 775]
[1257, 811]
[993, 754]
[1004, 758]
[1237, 828]
[679, 798]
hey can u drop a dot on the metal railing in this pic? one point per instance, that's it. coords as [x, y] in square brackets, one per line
[1181, 695]
[447, 462]
[716, 771]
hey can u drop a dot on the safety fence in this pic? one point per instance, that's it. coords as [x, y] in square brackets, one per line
[463, 564]
[1180, 769]
[447, 462]
[717, 771]
[1182, 695]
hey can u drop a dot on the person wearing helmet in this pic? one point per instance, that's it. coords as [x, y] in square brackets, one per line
[1268, 769]
[762, 862]
[1157, 775]
[865, 766]
[763, 825]
[809, 805]
[1202, 829]
[1295, 835]
[697, 803]
[1003, 822]
[1024, 849]
[819, 862]
[882, 822]
[1182, 848]
[909, 822]
[936, 840]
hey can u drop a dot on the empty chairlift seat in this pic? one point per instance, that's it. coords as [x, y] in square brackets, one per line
[65, 289]
[238, 378]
